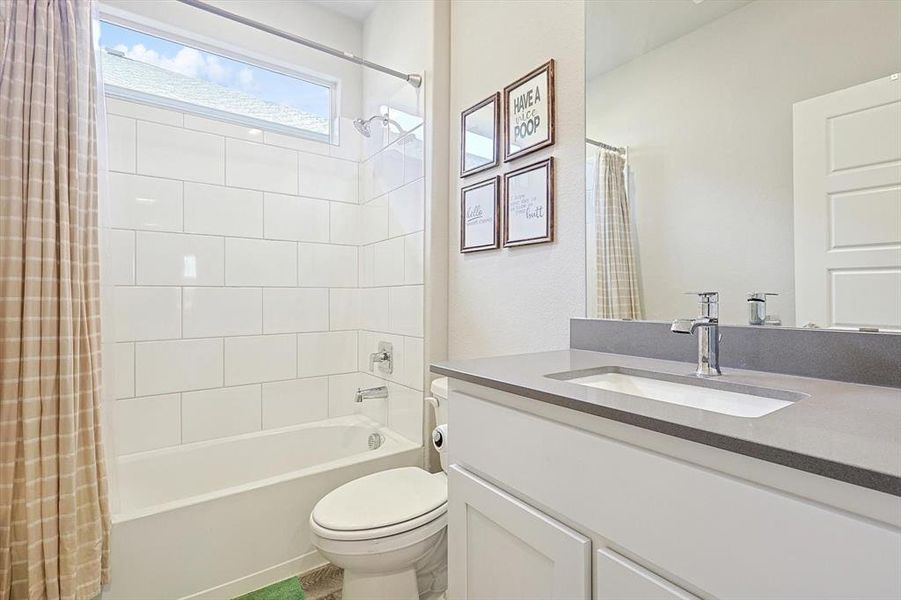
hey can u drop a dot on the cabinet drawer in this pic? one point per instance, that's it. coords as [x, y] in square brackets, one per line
[729, 537]
[618, 578]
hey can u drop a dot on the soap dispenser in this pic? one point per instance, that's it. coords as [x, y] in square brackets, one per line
[757, 313]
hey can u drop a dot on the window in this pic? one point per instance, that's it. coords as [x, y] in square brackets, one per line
[146, 67]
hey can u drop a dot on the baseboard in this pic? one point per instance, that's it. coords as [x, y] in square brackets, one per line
[255, 581]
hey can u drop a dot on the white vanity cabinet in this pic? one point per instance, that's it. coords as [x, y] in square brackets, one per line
[540, 508]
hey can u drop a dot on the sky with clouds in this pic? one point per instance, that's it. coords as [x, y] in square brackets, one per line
[191, 62]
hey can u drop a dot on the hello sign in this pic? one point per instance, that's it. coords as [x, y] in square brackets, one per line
[529, 112]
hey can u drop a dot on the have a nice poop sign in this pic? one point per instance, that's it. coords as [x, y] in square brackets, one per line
[530, 111]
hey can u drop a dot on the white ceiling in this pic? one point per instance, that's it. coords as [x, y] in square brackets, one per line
[618, 31]
[357, 10]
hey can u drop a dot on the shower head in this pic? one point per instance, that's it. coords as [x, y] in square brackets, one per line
[364, 125]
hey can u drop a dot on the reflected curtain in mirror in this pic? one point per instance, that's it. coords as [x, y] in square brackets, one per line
[618, 295]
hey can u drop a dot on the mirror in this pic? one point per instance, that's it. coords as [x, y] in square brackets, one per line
[747, 147]
[479, 131]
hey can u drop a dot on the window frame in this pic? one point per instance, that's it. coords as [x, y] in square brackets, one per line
[177, 35]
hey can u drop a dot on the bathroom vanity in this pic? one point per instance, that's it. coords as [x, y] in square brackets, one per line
[562, 489]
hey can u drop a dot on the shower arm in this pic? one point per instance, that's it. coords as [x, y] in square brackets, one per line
[413, 79]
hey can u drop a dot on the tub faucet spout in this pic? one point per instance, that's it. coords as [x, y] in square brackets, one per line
[372, 392]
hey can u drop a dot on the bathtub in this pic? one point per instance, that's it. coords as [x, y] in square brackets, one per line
[218, 519]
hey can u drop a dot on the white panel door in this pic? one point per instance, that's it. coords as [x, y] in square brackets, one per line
[618, 578]
[500, 548]
[847, 194]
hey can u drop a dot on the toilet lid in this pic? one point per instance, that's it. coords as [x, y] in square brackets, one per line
[381, 500]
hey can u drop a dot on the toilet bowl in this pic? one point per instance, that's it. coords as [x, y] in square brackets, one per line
[388, 530]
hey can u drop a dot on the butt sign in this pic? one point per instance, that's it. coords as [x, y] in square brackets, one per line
[523, 198]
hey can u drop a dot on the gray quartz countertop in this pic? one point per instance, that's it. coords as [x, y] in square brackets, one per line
[844, 431]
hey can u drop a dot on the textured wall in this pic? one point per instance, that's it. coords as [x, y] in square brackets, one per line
[519, 299]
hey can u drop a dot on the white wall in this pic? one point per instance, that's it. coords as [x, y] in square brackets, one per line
[519, 299]
[235, 261]
[708, 122]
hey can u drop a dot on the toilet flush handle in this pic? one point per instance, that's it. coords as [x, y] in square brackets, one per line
[435, 403]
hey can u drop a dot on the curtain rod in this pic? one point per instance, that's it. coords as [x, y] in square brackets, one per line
[413, 79]
[605, 146]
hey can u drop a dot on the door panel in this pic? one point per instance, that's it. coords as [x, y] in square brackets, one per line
[501, 548]
[858, 139]
[866, 298]
[870, 217]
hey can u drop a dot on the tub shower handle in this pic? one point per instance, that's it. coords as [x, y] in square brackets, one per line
[384, 357]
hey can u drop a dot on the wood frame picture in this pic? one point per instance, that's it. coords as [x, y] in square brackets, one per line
[529, 204]
[529, 112]
[480, 223]
[495, 102]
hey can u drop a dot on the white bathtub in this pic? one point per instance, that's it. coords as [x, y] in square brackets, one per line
[221, 518]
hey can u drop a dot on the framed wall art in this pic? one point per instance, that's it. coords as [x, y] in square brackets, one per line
[480, 215]
[479, 136]
[529, 112]
[529, 204]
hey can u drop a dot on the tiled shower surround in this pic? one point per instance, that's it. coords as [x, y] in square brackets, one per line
[254, 273]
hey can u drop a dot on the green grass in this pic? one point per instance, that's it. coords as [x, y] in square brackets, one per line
[289, 589]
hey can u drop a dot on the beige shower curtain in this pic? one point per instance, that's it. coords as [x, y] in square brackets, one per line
[617, 286]
[54, 516]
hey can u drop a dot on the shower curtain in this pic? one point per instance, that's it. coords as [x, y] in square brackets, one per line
[54, 517]
[617, 286]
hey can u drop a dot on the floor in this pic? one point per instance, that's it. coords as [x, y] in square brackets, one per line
[323, 583]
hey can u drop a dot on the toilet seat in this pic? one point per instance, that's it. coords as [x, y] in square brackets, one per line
[379, 532]
[380, 505]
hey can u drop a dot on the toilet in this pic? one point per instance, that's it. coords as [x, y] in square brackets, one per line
[388, 530]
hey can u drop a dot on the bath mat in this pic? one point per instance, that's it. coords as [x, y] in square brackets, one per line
[289, 589]
[323, 583]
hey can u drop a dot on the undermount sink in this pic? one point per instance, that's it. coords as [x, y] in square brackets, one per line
[735, 399]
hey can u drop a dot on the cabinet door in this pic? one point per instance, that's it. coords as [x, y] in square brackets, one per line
[501, 548]
[618, 578]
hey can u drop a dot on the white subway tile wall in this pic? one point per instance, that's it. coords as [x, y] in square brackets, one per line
[221, 311]
[219, 210]
[260, 167]
[264, 263]
[254, 274]
[123, 257]
[145, 203]
[392, 221]
[221, 412]
[147, 423]
[177, 153]
[296, 218]
[179, 259]
[295, 401]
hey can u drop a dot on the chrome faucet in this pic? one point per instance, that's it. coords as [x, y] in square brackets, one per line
[372, 392]
[757, 310]
[384, 357]
[709, 337]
